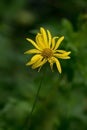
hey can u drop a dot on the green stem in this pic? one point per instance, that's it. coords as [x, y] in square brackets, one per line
[29, 118]
[36, 98]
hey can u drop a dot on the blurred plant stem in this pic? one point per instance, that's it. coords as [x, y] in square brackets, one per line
[28, 121]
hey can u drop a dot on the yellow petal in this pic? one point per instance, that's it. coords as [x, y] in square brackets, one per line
[57, 55]
[58, 42]
[30, 62]
[32, 51]
[49, 37]
[63, 52]
[34, 59]
[67, 53]
[66, 57]
[51, 66]
[51, 63]
[39, 63]
[36, 63]
[60, 51]
[39, 41]
[57, 64]
[53, 42]
[62, 56]
[33, 43]
[43, 32]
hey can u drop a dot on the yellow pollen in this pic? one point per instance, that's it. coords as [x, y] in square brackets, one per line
[47, 53]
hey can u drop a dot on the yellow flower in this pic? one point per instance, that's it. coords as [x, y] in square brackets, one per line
[46, 50]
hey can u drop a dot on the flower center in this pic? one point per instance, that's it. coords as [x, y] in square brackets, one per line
[47, 53]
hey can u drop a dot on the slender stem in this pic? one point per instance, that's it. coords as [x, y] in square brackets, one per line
[29, 118]
[36, 98]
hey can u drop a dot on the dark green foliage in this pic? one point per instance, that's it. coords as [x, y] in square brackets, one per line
[62, 101]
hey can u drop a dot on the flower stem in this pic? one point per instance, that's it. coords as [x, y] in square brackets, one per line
[29, 117]
[36, 98]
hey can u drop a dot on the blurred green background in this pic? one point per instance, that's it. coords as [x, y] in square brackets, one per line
[62, 102]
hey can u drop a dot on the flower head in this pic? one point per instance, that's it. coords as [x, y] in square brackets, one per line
[46, 50]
